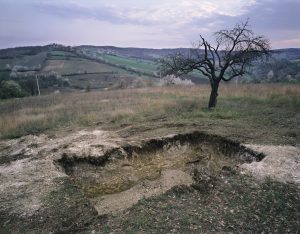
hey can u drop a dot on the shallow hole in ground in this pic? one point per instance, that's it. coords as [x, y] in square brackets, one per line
[122, 176]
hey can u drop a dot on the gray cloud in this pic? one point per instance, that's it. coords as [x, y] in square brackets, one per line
[274, 18]
[276, 14]
[74, 12]
[157, 23]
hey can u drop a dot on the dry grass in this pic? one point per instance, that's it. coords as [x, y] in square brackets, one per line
[176, 105]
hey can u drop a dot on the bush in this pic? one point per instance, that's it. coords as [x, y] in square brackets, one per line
[10, 89]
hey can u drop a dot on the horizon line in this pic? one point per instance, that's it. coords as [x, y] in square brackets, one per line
[122, 47]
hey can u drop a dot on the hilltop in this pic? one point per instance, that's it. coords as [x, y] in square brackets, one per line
[152, 160]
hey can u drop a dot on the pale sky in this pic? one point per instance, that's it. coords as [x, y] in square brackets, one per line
[142, 23]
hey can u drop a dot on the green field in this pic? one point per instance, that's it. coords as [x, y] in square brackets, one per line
[61, 53]
[138, 64]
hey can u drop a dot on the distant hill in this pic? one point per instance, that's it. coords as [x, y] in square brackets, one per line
[86, 67]
[140, 53]
[145, 53]
[289, 54]
[66, 68]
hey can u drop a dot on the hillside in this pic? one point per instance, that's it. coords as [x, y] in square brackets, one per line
[64, 68]
[152, 54]
[139, 53]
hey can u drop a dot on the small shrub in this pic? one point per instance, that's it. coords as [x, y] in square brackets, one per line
[10, 89]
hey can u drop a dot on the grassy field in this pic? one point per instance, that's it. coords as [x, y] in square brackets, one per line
[96, 75]
[29, 61]
[141, 65]
[79, 66]
[108, 81]
[138, 64]
[249, 113]
[61, 53]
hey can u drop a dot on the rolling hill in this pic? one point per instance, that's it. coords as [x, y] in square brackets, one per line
[68, 68]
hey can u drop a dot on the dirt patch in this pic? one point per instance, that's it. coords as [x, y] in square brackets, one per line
[62, 184]
[124, 175]
[35, 194]
[282, 163]
[115, 203]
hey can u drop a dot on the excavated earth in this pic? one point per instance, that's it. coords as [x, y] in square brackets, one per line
[65, 184]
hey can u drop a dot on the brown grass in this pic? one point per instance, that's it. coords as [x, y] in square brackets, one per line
[176, 105]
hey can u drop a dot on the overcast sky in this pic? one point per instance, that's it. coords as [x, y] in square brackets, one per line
[142, 23]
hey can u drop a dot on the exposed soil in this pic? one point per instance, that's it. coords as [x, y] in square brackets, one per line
[282, 163]
[64, 184]
[127, 174]
[117, 202]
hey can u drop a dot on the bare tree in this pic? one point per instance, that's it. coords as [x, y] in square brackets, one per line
[231, 55]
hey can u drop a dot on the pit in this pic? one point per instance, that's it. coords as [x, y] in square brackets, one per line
[122, 176]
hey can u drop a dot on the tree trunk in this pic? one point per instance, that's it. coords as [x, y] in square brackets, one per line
[213, 95]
